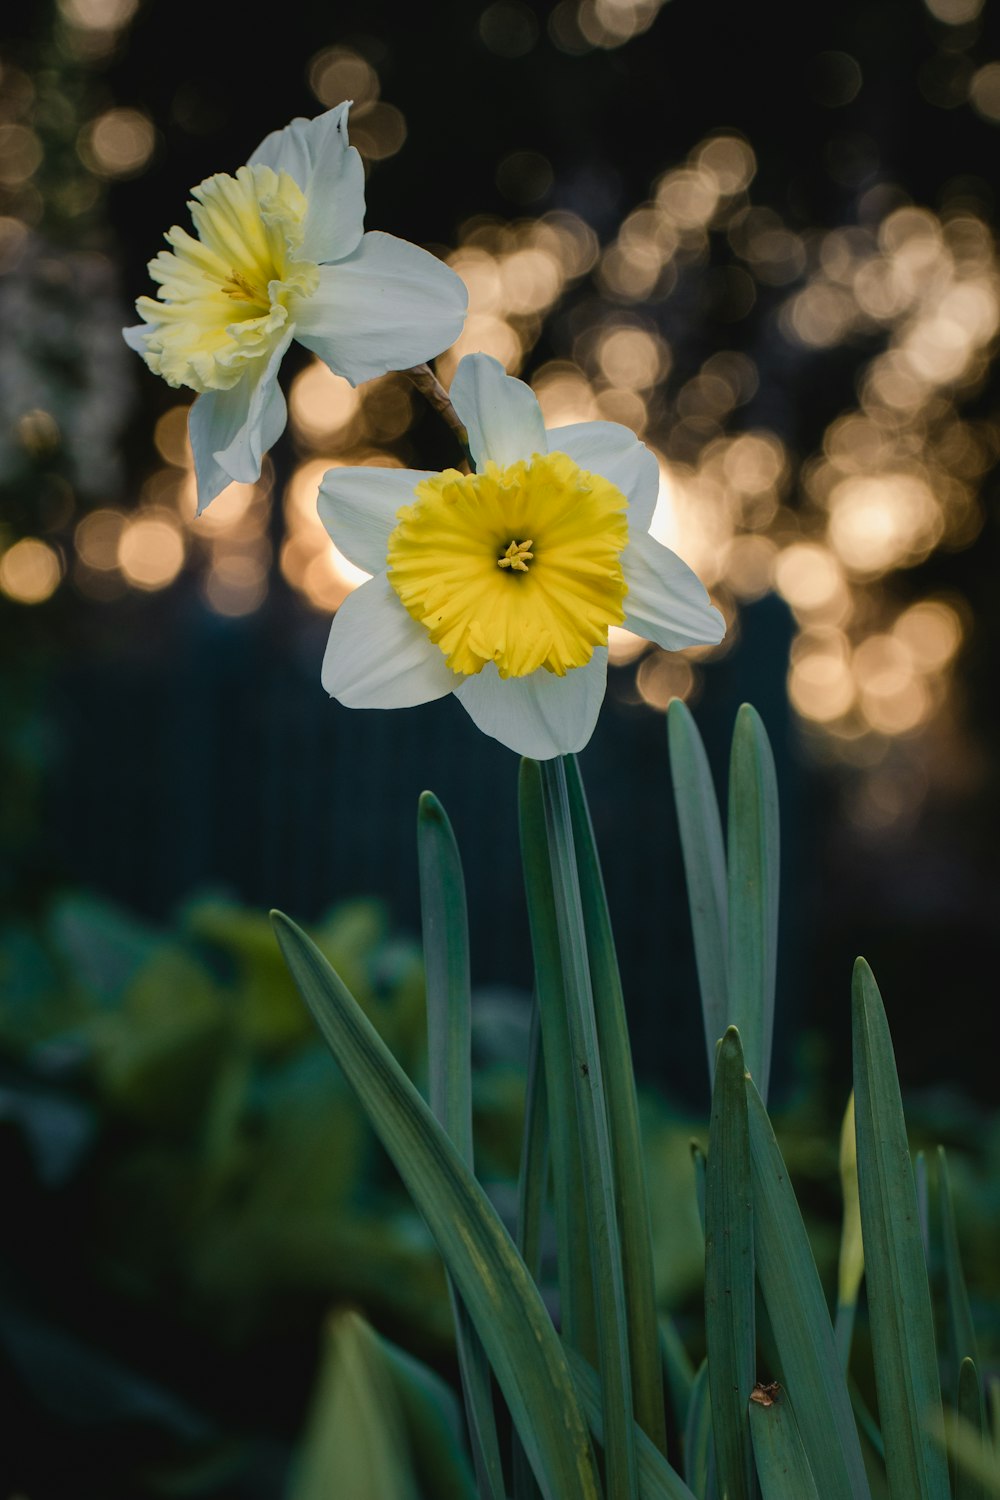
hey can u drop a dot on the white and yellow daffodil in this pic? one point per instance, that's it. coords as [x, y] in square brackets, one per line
[501, 586]
[280, 253]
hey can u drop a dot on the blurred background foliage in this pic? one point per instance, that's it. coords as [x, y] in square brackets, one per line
[191, 1190]
[764, 239]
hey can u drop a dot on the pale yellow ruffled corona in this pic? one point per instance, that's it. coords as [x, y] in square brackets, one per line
[517, 566]
[224, 297]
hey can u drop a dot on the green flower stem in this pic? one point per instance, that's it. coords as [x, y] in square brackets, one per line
[595, 1140]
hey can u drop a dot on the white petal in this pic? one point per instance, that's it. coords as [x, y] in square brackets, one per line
[666, 602]
[502, 415]
[541, 715]
[388, 306]
[316, 155]
[136, 338]
[614, 452]
[358, 508]
[379, 657]
[231, 430]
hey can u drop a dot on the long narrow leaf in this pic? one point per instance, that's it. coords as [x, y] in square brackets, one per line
[510, 1317]
[699, 1464]
[961, 1332]
[433, 1422]
[796, 1307]
[531, 1183]
[596, 1154]
[658, 1480]
[704, 868]
[782, 1466]
[753, 850]
[851, 1266]
[576, 1288]
[678, 1368]
[729, 1273]
[623, 1123]
[445, 922]
[356, 1440]
[899, 1305]
[969, 1485]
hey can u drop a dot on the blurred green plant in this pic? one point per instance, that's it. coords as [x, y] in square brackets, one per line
[776, 1407]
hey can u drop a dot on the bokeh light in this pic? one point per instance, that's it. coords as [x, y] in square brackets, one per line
[30, 571]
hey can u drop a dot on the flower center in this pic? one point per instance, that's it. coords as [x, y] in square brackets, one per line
[517, 557]
[224, 298]
[482, 595]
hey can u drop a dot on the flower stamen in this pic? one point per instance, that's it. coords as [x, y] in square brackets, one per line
[242, 290]
[517, 557]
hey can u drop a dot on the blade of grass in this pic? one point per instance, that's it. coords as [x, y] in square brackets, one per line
[628, 1162]
[704, 868]
[753, 892]
[899, 1305]
[522, 1346]
[576, 1291]
[961, 1332]
[445, 923]
[730, 1331]
[658, 1479]
[600, 1188]
[782, 1466]
[851, 1267]
[800, 1321]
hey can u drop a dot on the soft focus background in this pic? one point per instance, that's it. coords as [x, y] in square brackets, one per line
[764, 240]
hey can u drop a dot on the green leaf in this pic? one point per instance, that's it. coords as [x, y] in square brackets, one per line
[782, 1466]
[658, 1480]
[961, 1332]
[534, 1169]
[433, 1425]
[851, 1266]
[704, 868]
[596, 1155]
[753, 849]
[678, 1367]
[356, 1441]
[965, 1435]
[699, 1461]
[968, 1484]
[899, 1305]
[729, 1272]
[800, 1322]
[445, 922]
[510, 1318]
[698, 1162]
[576, 1282]
[631, 1194]
[531, 1183]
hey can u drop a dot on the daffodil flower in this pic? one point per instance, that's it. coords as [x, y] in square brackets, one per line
[280, 255]
[501, 586]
